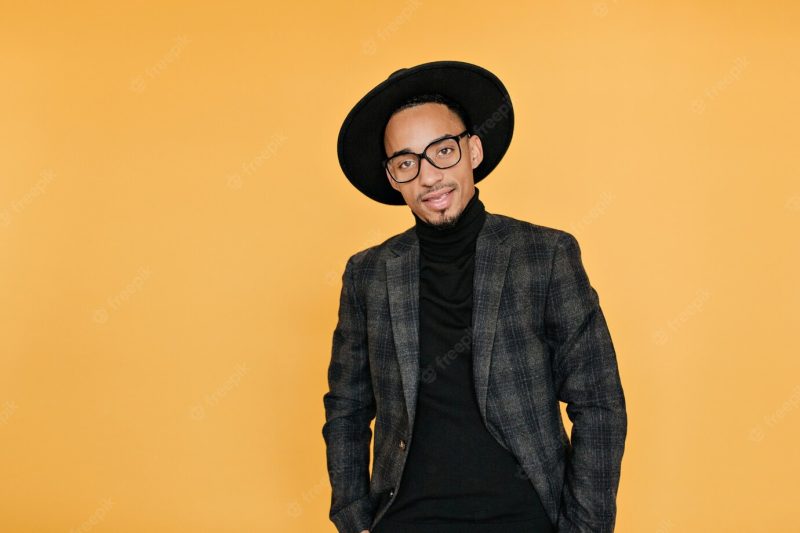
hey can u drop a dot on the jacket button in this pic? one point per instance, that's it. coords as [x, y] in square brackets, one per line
[402, 444]
[391, 493]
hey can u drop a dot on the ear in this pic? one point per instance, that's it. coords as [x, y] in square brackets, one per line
[475, 150]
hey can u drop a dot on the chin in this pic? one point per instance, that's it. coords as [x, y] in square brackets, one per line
[439, 217]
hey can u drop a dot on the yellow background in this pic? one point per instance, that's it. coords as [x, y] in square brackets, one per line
[174, 226]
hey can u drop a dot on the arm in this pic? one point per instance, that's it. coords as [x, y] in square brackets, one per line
[349, 408]
[587, 379]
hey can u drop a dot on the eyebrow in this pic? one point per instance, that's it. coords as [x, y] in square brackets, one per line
[410, 151]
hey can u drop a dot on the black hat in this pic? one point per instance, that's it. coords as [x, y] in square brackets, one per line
[478, 91]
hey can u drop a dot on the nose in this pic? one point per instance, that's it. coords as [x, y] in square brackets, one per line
[428, 174]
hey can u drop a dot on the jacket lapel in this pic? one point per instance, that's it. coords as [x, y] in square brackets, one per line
[491, 264]
[402, 279]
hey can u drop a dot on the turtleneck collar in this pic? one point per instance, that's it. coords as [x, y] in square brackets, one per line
[446, 244]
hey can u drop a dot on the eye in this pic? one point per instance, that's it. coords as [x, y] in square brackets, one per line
[444, 151]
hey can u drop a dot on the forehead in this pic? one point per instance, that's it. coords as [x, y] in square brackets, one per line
[414, 127]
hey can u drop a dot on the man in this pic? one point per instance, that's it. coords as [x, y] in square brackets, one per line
[461, 335]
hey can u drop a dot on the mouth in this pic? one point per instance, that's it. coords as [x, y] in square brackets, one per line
[438, 200]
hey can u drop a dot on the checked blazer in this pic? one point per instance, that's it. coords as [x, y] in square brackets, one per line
[539, 337]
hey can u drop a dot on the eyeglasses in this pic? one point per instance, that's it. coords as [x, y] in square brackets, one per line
[442, 153]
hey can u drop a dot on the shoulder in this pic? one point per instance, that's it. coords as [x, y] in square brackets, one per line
[367, 260]
[526, 233]
[541, 252]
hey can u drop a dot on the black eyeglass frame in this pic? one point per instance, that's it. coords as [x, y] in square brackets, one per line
[424, 155]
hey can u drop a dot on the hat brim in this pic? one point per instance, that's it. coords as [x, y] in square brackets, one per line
[481, 93]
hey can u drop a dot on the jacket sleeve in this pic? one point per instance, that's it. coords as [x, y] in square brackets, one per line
[349, 408]
[587, 379]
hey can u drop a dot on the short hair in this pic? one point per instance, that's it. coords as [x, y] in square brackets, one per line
[436, 98]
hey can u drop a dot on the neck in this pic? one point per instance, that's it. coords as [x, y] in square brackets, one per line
[453, 240]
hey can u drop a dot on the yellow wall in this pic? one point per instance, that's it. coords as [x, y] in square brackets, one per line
[174, 225]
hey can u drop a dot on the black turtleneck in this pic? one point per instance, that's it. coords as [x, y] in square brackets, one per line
[456, 241]
[457, 477]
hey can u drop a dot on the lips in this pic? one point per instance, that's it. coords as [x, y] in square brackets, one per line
[436, 195]
[439, 199]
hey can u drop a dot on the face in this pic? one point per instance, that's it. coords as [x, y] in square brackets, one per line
[437, 196]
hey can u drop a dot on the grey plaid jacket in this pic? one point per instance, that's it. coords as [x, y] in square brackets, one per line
[539, 337]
